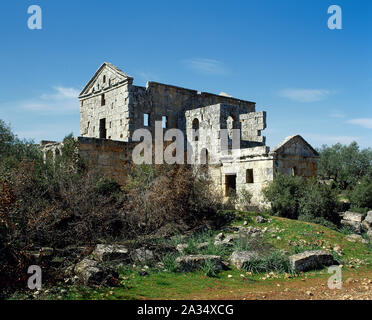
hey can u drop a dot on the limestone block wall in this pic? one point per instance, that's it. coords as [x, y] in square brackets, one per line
[108, 158]
[296, 165]
[115, 111]
[262, 170]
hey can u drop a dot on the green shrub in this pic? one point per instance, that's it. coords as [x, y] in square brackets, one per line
[275, 261]
[361, 195]
[169, 262]
[284, 193]
[209, 268]
[244, 199]
[107, 187]
[319, 204]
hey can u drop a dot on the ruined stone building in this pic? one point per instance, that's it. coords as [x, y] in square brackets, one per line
[112, 108]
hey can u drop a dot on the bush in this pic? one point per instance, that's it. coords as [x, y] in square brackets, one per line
[284, 194]
[275, 261]
[361, 196]
[319, 205]
[304, 199]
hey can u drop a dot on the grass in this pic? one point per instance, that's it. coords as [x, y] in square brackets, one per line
[294, 237]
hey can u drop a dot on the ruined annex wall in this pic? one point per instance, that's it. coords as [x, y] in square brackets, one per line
[296, 165]
[295, 157]
[109, 158]
[263, 173]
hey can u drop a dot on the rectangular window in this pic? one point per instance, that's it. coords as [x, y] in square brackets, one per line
[103, 101]
[146, 119]
[164, 120]
[250, 178]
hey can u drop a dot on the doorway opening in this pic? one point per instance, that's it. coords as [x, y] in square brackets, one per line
[230, 185]
[102, 128]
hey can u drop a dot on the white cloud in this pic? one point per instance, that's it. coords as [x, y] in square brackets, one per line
[147, 76]
[60, 100]
[305, 95]
[206, 66]
[337, 114]
[363, 122]
[320, 139]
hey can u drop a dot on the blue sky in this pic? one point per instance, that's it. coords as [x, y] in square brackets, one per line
[311, 80]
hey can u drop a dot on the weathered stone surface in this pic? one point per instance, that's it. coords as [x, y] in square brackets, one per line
[111, 253]
[356, 237]
[91, 272]
[310, 260]
[181, 247]
[142, 255]
[354, 216]
[369, 234]
[260, 219]
[240, 258]
[367, 222]
[193, 262]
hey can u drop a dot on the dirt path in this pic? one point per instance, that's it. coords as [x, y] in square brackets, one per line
[357, 285]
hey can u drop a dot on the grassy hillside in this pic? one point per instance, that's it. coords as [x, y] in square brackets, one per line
[288, 235]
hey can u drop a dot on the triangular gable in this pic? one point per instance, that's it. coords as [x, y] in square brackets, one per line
[114, 74]
[295, 145]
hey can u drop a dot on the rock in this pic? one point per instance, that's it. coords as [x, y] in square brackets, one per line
[240, 258]
[369, 234]
[260, 219]
[181, 247]
[356, 237]
[143, 273]
[219, 237]
[245, 223]
[193, 262]
[111, 253]
[142, 255]
[354, 225]
[310, 260]
[91, 272]
[354, 216]
[367, 223]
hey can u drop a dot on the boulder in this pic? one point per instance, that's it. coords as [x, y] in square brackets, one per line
[310, 260]
[367, 222]
[260, 219]
[219, 237]
[354, 216]
[353, 225]
[142, 255]
[181, 247]
[111, 253]
[356, 237]
[193, 262]
[91, 272]
[240, 258]
[369, 234]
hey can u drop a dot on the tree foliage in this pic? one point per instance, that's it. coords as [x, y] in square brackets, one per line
[346, 165]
